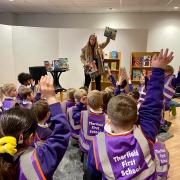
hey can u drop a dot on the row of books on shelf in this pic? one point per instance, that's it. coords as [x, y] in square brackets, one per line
[112, 55]
[142, 61]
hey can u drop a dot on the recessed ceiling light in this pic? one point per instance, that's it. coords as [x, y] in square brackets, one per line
[11, 0]
[176, 7]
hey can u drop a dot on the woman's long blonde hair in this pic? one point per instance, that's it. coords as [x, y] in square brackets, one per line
[89, 48]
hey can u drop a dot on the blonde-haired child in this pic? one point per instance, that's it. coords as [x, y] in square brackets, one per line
[8, 94]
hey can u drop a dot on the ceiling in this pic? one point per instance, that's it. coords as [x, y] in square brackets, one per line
[87, 6]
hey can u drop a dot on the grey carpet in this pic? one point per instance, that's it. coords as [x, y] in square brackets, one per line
[70, 167]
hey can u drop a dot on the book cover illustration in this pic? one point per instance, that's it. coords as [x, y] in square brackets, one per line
[136, 62]
[137, 74]
[113, 66]
[114, 54]
[61, 63]
[146, 61]
[110, 33]
[106, 66]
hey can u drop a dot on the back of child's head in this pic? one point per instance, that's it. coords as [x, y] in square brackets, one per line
[70, 94]
[17, 123]
[24, 78]
[95, 100]
[169, 70]
[106, 96]
[79, 93]
[122, 110]
[24, 92]
[7, 89]
[135, 95]
[85, 88]
[41, 109]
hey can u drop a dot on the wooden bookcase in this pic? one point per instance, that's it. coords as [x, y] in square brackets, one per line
[114, 65]
[140, 64]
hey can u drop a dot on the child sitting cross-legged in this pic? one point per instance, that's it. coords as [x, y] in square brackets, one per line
[125, 150]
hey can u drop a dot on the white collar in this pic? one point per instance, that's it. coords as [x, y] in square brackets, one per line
[95, 111]
[107, 128]
[43, 125]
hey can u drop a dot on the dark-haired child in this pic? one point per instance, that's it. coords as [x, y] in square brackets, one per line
[42, 111]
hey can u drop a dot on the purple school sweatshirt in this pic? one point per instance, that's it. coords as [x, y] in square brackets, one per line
[149, 116]
[47, 157]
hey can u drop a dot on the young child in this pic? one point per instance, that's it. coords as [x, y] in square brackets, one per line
[123, 150]
[135, 95]
[26, 79]
[18, 160]
[10, 93]
[123, 85]
[27, 97]
[142, 89]
[170, 85]
[92, 120]
[106, 96]
[70, 101]
[169, 90]
[42, 111]
[74, 113]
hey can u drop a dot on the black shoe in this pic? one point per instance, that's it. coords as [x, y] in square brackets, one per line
[167, 123]
[163, 128]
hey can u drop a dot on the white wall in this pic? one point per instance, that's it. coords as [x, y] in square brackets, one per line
[166, 34]
[32, 46]
[7, 73]
[71, 41]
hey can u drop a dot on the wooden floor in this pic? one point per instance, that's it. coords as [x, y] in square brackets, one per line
[173, 145]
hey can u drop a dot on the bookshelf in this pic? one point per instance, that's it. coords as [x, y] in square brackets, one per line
[114, 64]
[140, 64]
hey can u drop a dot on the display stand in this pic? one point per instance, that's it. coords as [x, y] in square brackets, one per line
[56, 75]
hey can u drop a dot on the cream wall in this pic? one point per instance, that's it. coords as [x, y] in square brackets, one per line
[7, 65]
[166, 34]
[32, 46]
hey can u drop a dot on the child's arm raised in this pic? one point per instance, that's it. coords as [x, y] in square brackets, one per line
[151, 109]
[52, 151]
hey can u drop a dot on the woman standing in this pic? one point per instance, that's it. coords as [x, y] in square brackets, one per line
[92, 54]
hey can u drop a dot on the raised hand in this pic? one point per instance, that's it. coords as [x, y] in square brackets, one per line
[161, 60]
[47, 89]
